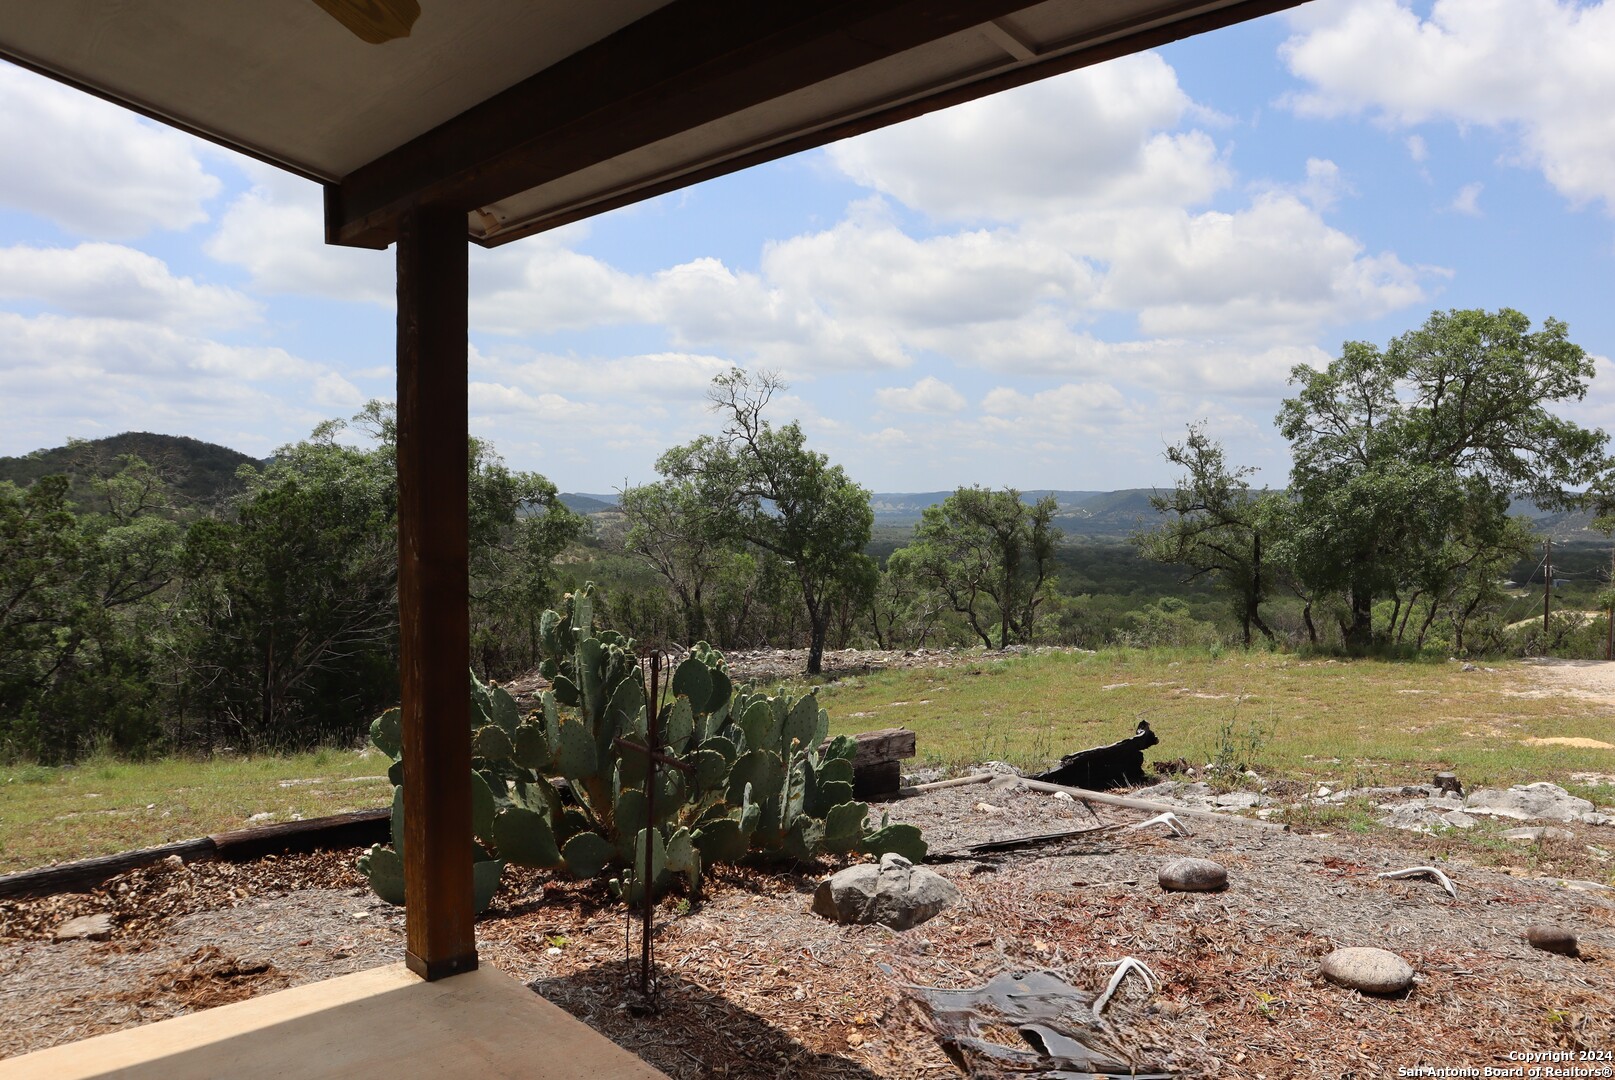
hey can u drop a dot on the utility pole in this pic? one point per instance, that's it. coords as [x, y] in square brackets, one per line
[1547, 585]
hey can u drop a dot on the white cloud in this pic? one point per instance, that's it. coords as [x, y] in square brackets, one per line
[1537, 70]
[654, 377]
[1097, 137]
[86, 375]
[929, 395]
[92, 167]
[541, 285]
[1467, 201]
[868, 267]
[1201, 365]
[276, 232]
[1057, 407]
[114, 281]
[1324, 185]
[1274, 268]
[1418, 149]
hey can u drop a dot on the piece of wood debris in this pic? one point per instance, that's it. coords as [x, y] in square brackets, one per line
[1423, 871]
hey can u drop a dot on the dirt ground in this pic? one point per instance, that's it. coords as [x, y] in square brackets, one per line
[1590, 680]
[751, 984]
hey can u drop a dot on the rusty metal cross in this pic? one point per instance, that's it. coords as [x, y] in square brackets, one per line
[653, 758]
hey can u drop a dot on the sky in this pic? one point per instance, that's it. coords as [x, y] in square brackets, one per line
[1038, 289]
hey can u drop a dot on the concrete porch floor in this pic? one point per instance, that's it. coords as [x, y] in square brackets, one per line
[384, 1023]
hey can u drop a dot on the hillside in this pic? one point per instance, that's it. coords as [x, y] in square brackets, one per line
[1087, 513]
[198, 471]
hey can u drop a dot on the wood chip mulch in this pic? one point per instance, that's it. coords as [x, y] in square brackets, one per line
[753, 985]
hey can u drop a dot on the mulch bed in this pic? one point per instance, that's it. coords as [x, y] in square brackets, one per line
[753, 985]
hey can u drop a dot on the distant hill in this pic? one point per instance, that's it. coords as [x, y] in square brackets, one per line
[1104, 514]
[1088, 513]
[587, 504]
[1085, 513]
[198, 471]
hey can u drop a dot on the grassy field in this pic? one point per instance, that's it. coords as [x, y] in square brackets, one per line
[103, 806]
[1351, 722]
[1342, 722]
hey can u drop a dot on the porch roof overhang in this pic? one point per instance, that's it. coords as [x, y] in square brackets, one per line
[528, 114]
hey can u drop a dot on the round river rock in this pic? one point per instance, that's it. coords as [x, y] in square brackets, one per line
[1193, 875]
[1554, 939]
[1373, 971]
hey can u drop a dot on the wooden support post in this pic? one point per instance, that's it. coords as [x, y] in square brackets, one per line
[433, 592]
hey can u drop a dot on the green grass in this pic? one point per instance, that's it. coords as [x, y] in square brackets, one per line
[1346, 721]
[102, 805]
[1288, 717]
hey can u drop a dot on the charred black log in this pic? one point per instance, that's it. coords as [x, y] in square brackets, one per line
[1121, 764]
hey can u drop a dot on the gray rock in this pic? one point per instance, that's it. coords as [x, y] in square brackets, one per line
[1373, 971]
[895, 893]
[1540, 801]
[85, 927]
[1193, 875]
[1457, 819]
[1554, 939]
[1196, 795]
[1238, 800]
[1539, 832]
[1416, 816]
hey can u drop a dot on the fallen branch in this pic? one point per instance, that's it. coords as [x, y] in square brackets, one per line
[1100, 797]
[1423, 871]
[957, 781]
[1015, 843]
[1155, 807]
[1169, 819]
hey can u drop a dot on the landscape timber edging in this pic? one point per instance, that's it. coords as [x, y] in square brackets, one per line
[354, 829]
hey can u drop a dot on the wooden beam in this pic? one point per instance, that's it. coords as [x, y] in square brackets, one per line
[434, 591]
[683, 65]
[1053, 59]
[695, 61]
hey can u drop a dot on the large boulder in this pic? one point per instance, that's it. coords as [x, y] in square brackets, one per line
[894, 893]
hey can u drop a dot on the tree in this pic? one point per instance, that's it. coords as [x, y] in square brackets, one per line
[291, 599]
[1215, 529]
[79, 645]
[902, 607]
[519, 528]
[673, 528]
[40, 558]
[762, 486]
[1399, 452]
[990, 555]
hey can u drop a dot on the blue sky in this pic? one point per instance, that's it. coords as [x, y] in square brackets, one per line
[1039, 289]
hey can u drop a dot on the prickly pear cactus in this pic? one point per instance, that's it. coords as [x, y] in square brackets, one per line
[759, 778]
[383, 866]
